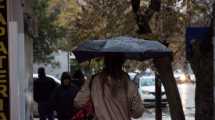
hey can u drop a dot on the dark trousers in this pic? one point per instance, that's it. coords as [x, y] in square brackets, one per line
[64, 117]
[45, 112]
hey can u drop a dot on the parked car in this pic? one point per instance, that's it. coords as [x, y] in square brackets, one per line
[132, 75]
[182, 77]
[147, 91]
[35, 76]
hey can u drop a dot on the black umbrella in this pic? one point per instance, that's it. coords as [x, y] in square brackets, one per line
[138, 49]
[128, 47]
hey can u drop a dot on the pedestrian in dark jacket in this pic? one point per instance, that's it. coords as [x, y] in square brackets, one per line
[62, 99]
[78, 78]
[43, 88]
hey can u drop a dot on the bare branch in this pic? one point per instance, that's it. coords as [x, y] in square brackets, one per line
[143, 19]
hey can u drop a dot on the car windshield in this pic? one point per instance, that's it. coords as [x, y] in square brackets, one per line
[149, 74]
[147, 81]
[132, 75]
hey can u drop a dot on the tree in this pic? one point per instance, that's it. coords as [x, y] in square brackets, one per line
[48, 35]
[202, 65]
[213, 23]
[143, 19]
[64, 24]
[202, 59]
[166, 20]
[97, 19]
[202, 62]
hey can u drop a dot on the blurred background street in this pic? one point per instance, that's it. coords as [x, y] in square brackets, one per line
[187, 92]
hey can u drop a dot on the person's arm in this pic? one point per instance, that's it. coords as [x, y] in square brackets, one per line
[35, 91]
[136, 106]
[83, 95]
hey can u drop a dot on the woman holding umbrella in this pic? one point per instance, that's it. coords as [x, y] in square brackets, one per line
[109, 90]
[111, 93]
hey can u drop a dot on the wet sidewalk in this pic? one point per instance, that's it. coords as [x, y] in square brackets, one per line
[187, 93]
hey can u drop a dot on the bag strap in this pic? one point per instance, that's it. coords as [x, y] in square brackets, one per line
[90, 87]
[91, 82]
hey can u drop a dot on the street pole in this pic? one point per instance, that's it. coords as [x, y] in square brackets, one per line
[158, 115]
[68, 61]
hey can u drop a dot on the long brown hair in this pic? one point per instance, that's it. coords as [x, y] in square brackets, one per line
[113, 70]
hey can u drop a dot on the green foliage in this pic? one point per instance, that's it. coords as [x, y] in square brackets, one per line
[201, 13]
[63, 24]
[48, 34]
[94, 19]
[66, 11]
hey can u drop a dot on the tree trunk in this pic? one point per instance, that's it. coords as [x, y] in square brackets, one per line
[213, 53]
[202, 65]
[144, 19]
[163, 65]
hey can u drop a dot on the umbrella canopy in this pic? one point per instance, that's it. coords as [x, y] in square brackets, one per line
[128, 47]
